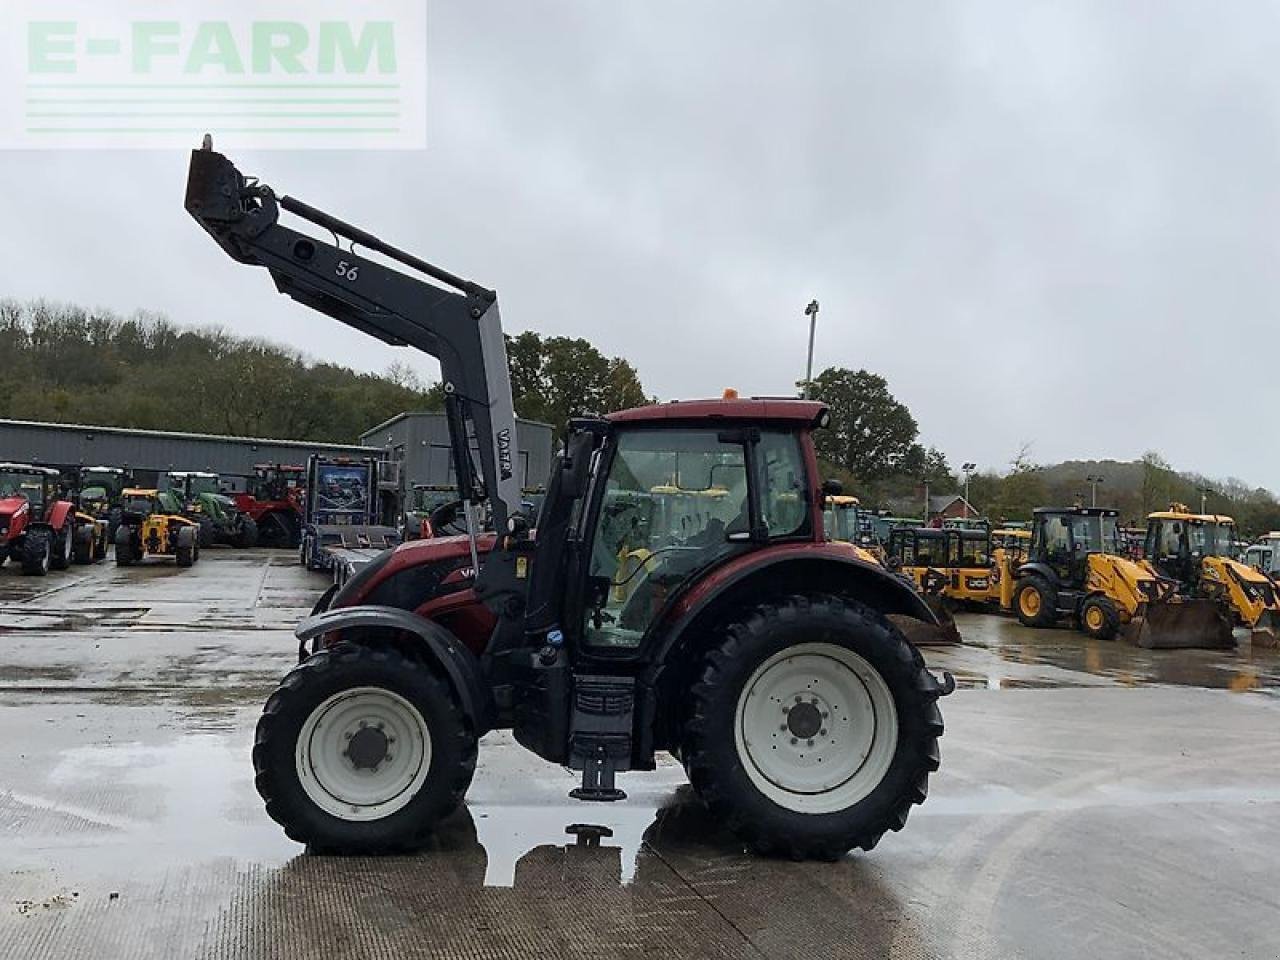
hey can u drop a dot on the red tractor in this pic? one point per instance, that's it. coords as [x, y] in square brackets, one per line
[38, 528]
[678, 595]
[273, 499]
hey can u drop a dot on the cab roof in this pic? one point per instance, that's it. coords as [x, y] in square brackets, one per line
[1190, 517]
[1078, 511]
[843, 500]
[138, 492]
[780, 410]
[28, 468]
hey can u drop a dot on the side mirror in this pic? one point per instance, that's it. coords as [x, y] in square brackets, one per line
[832, 488]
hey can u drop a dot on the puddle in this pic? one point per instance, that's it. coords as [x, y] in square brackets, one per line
[999, 653]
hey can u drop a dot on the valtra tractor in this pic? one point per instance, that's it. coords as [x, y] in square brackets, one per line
[273, 500]
[750, 647]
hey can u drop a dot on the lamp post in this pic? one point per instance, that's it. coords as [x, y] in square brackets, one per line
[1204, 492]
[967, 469]
[811, 311]
[1093, 485]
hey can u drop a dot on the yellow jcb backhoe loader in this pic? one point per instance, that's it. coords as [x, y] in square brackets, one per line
[1196, 550]
[1075, 568]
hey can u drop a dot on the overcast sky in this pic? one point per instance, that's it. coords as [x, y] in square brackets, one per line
[1052, 223]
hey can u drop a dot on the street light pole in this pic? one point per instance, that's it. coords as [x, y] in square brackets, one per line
[811, 311]
[1204, 492]
[968, 468]
[1093, 484]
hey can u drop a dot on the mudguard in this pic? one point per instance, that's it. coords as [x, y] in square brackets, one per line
[59, 514]
[459, 664]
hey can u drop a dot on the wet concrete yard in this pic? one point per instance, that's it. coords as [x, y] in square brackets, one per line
[1094, 800]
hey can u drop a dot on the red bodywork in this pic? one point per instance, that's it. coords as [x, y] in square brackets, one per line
[270, 492]
[15, 513]
[455, 606]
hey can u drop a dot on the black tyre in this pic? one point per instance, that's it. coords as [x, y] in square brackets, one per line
[37, 553]
[813, 728]
[247, 535]
[85, 542]
[128, 550]
[278, 530]
[62, 546]
[1035, 600]
[184, 550]
[385, 751]
[101, 541]
[1099, 617]
[208, 531]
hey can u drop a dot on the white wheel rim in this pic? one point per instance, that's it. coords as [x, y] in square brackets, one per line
[856, 734]
[346, 786]
[67, 545]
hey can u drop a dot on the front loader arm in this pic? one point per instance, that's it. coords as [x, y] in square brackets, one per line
[452, 319]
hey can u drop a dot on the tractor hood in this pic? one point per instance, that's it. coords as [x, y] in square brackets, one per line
[11, 507]
[417, 569]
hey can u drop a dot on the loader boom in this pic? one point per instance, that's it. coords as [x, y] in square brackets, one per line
[452, 319]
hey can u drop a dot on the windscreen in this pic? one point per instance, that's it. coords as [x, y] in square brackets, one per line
[1096, 534]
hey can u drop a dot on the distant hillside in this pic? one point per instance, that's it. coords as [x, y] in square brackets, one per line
[65, 364]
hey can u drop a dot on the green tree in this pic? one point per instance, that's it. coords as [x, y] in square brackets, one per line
[871, 433]
[556, 378]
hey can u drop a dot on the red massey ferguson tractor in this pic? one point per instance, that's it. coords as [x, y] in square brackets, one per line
[37, 528]
[678, 595]
[273, 499]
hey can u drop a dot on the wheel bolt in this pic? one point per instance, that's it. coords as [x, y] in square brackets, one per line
[810, 743]
[391, 739]
[346, 736]
[822, 732]
[798, 698]
[783, 728]
[794, 741]
[825, 714]
[388, 758]
[363, 724]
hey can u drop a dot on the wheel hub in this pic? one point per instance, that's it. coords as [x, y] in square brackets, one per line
[367, 748]
[804, 719]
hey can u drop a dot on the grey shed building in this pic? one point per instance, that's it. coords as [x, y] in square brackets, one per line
[420, 442]
[149, 453]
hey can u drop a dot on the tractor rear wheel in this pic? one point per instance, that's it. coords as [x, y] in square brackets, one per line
[1035, 600]
[362, 750]
[813, 729]
[247, 535]
[84, 544]
[128, 551]
[37, 553]
[1099, 617]
[62, 546]
[184, 550]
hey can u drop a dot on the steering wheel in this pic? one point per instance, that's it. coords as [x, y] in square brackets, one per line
[445, 521]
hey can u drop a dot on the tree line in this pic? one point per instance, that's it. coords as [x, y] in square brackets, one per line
[67, 364]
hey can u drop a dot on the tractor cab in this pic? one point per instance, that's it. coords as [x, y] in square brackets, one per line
[1063, 538]
[277, 482]
[954, 562]
[1178, 540]
[24, 484]
[841, 518]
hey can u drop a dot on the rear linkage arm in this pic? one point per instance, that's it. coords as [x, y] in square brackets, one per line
[453, 320]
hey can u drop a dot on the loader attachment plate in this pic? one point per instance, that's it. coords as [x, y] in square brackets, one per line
[1266, 632]
[1182, 624]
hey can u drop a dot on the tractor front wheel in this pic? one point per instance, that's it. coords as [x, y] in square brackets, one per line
[1099, 618]
[247, 535]
[37, 553]
[814, 727]
[362, 750]
[1036, 602]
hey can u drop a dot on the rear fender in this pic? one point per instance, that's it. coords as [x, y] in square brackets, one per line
[1039, 570]
[436, 644]
[769, 574]
[59, 513]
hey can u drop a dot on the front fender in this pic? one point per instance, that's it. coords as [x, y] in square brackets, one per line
[59, 513]
[441, 647]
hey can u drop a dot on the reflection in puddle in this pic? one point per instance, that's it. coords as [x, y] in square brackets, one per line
[1001, 654]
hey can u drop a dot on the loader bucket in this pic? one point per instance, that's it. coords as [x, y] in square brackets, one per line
[1266, 632]
[923, 634]
[1182, 624]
